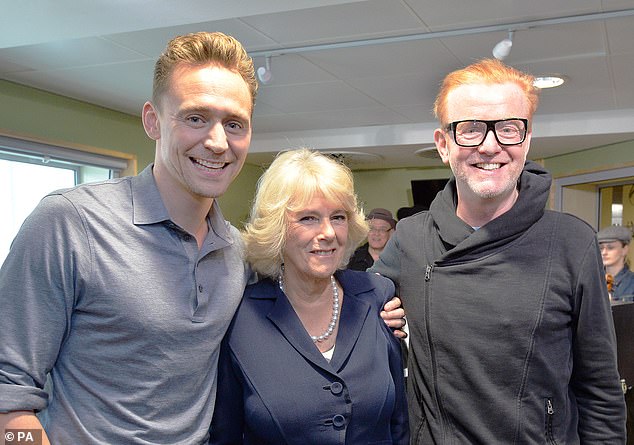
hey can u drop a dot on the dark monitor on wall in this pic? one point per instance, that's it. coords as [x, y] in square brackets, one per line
[424, 190]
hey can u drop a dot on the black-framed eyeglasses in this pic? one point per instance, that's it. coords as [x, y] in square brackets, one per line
[473, 132]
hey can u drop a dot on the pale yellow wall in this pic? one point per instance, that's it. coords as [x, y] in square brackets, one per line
[601, 158]
[392, 189]
[581, 200]
[606, 208]
[39, 115]
[236, 202]
[628, 205]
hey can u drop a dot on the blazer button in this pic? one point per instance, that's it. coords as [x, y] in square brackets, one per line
[338, 420]
[336, 388]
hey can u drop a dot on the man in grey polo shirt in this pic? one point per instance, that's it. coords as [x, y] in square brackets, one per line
[122, 290]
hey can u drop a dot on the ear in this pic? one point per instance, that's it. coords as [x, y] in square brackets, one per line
[151, 122]
[440, 139]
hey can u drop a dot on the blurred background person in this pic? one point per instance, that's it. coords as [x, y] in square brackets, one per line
[614, 242]
[307, 359]
[382, 224]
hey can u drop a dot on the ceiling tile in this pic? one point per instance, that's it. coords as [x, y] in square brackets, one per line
[325, 96]
[337, 23]
[70, 53]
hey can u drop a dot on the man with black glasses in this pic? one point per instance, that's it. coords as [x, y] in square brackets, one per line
[512, 339]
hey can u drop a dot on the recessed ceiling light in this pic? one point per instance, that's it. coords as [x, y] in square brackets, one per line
[428, 152]
[550, 81]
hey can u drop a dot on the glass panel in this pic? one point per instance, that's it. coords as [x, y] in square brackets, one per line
[617, 205]
[23, 183]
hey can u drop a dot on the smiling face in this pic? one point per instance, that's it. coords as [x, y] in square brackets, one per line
[379, 233]
[316, 240]
[489, 171]
[202, 128]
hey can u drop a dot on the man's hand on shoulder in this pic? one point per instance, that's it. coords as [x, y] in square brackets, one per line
[394, 316]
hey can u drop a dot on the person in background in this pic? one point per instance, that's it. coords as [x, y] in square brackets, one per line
[382, 224]
[614, 242]
[512, 338]
[307, 359]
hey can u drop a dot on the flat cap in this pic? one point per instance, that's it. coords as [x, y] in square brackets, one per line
[383, 214]
[615, 233]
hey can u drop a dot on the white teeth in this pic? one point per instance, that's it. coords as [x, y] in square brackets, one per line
[209, 164]
[322, 252]
[488, 166]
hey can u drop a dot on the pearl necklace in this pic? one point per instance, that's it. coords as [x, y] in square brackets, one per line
[335, 309]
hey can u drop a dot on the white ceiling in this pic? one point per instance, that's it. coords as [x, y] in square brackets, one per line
[372, 100]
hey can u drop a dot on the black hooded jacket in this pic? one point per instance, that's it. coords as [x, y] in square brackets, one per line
[511, 334]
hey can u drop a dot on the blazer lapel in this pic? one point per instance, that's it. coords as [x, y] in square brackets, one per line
[284, 317]
[354, 313]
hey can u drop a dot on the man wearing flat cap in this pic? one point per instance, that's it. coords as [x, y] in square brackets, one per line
[614, 242]
[382, 224]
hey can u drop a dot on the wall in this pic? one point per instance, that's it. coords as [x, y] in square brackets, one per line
[601, 158]
[391, 189]
[236, 202]
[36, 114]
[581, 201]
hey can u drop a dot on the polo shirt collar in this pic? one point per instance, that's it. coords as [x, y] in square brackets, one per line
[148, 206]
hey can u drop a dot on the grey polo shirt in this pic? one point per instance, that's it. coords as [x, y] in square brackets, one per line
[104, 291]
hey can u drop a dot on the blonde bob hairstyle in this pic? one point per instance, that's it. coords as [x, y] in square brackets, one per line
[488, 72]
[294, 178]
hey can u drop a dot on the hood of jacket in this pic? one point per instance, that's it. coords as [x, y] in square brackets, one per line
[457, 241]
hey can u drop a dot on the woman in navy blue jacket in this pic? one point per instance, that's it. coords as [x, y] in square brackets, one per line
[307, 359]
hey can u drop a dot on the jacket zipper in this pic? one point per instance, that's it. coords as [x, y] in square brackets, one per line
[550, 412]
[428, 272]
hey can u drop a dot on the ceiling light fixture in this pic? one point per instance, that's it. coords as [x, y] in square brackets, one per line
[429, 152]
[503, 48]
[549, 81]
[264, 72]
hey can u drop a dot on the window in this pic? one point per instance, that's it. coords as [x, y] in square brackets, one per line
[30, 170]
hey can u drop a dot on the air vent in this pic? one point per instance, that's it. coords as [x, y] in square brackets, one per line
[353, 157]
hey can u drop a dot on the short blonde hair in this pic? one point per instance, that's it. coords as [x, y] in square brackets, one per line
[294, 178]
[486, 71]
[201, 48]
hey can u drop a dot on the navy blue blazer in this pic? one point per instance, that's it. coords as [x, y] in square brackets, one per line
[275, 387]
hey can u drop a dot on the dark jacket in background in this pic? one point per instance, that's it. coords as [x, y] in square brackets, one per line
[511, 334]
[361, 259]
